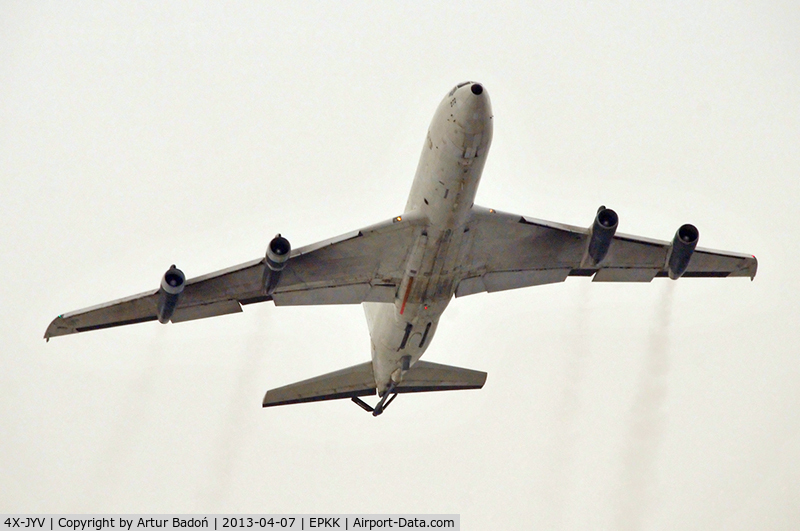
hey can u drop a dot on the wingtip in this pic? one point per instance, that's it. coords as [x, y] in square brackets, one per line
[48, 332]
[57, 327]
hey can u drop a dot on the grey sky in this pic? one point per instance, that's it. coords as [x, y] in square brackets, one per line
[134, 137]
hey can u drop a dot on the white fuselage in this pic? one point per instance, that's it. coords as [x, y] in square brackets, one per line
[442, 196]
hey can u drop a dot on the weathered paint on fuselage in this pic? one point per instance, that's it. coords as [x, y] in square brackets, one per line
[442, 195]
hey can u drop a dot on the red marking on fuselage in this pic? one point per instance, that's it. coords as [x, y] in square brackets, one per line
[405, 297]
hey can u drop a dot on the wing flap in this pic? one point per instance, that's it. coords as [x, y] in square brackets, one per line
[201, 311]
[630, 274]
[503, 280]
[347, 294]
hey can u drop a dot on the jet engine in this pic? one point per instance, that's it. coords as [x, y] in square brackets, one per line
[278, 252]
[683, 245]
[171, 289]
[603, 229]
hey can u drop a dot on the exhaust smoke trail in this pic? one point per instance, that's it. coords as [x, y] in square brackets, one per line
[234, 426]
[566, 431]
[647, 421]
[125, 434]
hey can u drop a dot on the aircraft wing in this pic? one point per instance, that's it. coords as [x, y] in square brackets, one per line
[364, 265]
[512, 251]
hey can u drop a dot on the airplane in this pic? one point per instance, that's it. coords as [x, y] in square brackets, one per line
[404, 271]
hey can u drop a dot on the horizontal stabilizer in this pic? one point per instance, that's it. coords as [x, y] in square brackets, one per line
[346, 383]
[426, 376]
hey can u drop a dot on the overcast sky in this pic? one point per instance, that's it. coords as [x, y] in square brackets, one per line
[137, 136]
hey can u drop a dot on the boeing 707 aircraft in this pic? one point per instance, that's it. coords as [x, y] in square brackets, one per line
[406, 270]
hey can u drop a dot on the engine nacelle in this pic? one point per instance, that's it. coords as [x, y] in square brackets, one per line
[171, 289]
[278, 252]
[603, 229]
[683, 245]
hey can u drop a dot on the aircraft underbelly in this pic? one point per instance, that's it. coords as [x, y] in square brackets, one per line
[443, 193]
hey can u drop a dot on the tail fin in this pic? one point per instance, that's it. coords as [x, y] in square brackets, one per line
[359, 381]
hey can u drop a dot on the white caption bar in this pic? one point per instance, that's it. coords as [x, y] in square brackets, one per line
[227, 522]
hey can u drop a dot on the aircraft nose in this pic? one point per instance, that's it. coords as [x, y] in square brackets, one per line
[477, 109]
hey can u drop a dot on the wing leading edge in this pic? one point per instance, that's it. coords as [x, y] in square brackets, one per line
[364, 265]
[512, 251]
